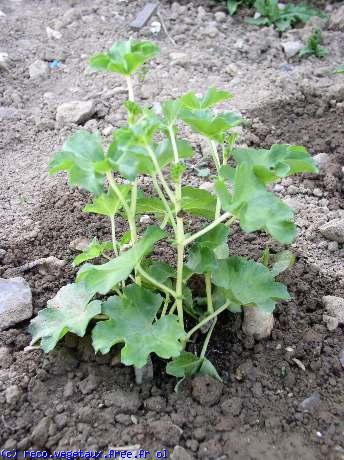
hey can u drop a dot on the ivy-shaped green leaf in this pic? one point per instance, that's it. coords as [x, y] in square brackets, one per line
[132, 322]
[124, 57]
[280, 161]
[187, 364]
[95, 249]
[108, 203]
[255, 207]
[248, 283]
[198, 202]
[83, 158]
[69, 311]
[212, 97]
[103, 278]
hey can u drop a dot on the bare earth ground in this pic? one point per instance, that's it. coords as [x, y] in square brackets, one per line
[71, 400]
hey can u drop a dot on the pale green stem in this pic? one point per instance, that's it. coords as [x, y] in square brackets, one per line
[165, 203]
[206, 342]
[130, 217]
[130, 89]
[155, 282]
[159, 172]
[164, 222]
[206, 229]
[207, 277]
[207, 319]
[215, 155]
[180, 237]
[113, 234]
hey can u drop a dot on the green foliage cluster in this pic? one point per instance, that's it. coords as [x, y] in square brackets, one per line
[314, 46]
[340, 69]
[282, 17]
[122, 293]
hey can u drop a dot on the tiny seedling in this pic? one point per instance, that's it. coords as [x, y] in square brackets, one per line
[123, 294]
[314, 46]
[283, 18]
[340, 69]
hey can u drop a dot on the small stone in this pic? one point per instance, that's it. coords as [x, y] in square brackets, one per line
[317, 192]
[75, 112]
[91, 125]
[89, 384]
[178, 58]
[12, 394]
[341, 358]
[38, 69]
[51, 33]
[144, 374]
[206, 390]
[41, 432]
[334, 315]
[68, 390]
[294, 203]
[322, 160]
[145, 219]
[231, 69]
[211, 31]
[80, 244]
[257, 323]
[2, 253]
[108, 130]
[311, 403]
[201, 13]
[232, 406]
[291, 48]
[4, 61]
[333, 230]
[220, 16]
[179, 453]
[333, 246]
[5, 358]
[155, 27]
[15, 301]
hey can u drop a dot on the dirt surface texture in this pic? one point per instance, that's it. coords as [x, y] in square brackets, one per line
[281, 398]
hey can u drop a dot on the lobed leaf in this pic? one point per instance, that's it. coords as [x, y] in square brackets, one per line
[132, 322]
[256, 208]
[187, 365]
[124, 57]
[108, 204]
[280, 161]
[212, 97]
[198, 202]
[69, 311]
[102, 278]
[282, 261]
[95, 249]
[82, 156]
[248, 283]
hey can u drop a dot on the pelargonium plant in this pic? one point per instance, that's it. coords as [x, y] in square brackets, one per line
[128, 296]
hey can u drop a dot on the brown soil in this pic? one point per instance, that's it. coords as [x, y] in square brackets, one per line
[70, 399]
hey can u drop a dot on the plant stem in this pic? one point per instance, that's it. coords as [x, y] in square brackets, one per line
[159, 172]
[165, 203]
[113, 234]
[130, 217]
[205, 320]
[206, 342]
[215, 156]
[180, 237]
[206, 229]
[130, 88]
[207, 277]
[155, 282]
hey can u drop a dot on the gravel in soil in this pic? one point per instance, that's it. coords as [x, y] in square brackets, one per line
[269, 406]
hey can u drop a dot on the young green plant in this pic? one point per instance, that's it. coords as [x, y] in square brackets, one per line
[314, 46]
[123, 293]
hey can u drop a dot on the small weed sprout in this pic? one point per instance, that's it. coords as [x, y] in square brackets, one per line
[128, 297]
[314, 46]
